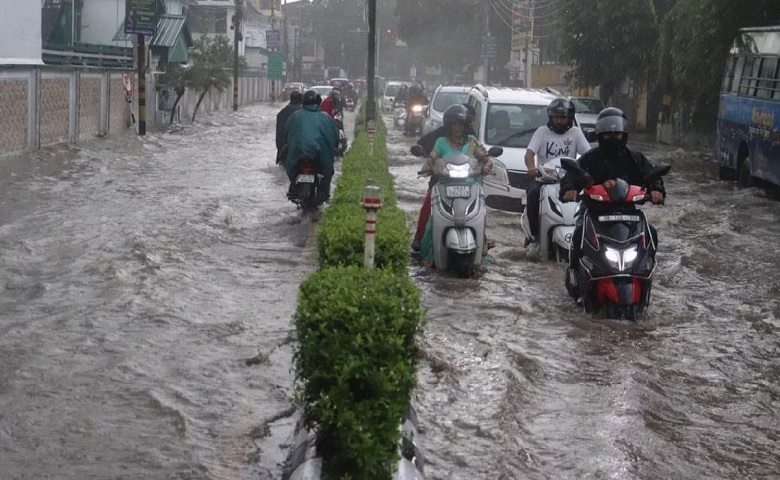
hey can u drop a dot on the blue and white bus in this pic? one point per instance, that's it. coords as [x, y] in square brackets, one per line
[749, 114]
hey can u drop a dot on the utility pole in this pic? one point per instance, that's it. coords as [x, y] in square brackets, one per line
[485, 46]
[236, 38]
[141, 85]
[371, 105]
[529, 44]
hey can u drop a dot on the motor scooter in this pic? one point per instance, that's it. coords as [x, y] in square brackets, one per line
[458, 211]
[556, 218]
[399, 114]
[305, 192]
[618, 249]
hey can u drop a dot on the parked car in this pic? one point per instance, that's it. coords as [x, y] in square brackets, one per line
[443, 97]
[293, 87]
[508, 118]
[323, 90]
[586, 111]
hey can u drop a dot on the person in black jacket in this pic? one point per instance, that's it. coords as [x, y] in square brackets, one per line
[606, 163]
[296, 102]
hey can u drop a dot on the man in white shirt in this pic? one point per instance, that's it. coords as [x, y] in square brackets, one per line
[559, 138]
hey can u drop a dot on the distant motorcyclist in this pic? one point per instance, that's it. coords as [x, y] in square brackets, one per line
[296, 100]
[416, 96]
[333, 103]
[311, 133]
[606, 163]
[556, 139]
[401, 95]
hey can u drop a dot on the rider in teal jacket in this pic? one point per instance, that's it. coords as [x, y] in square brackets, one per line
[311, 133]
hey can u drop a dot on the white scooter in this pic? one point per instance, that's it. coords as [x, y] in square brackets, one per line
[458, 211]
[556, 218]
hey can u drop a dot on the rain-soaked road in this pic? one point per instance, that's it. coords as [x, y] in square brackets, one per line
[138, 279]
[518, 384]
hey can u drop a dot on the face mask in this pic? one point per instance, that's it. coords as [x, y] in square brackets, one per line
[610, 146]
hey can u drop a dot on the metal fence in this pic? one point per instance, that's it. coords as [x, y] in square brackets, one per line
[47, 105]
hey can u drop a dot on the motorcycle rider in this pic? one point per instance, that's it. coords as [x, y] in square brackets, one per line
[427, 142]
[311, 133]
[296, 100]
[558, 138]
[606, 163]
[333, 103]
[415, 96]
[457, 139]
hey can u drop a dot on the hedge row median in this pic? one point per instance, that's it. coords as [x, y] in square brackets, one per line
[356, 357]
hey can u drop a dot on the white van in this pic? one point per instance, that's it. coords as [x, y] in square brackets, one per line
[388, 95]
[507, 118]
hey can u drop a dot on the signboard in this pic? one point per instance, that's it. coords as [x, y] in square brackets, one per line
[141, 17]
[521, 41]
[489, 47]
[413, 72]
[275, 66]
[273, 39]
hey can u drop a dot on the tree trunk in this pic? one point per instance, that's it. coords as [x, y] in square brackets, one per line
[173, 110]
[197, 105]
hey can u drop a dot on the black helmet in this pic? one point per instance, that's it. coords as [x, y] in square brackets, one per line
[335, 92]
[612, 119]
[296, 97]
[454, 114]
[560, 107]
[311, 97]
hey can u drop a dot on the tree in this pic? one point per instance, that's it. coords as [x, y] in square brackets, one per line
[607, 42]
[699, 49]
[213, 58]
[177, 77]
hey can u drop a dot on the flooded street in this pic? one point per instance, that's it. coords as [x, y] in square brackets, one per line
[518, 384]
[145, 316]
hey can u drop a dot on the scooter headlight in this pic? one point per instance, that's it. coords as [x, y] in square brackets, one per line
[417, 108]
[621, 259]
[613, 256]
[458, 171]
[629, 256]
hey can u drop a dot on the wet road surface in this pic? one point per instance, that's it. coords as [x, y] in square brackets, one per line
[519, 384]
[145, 315]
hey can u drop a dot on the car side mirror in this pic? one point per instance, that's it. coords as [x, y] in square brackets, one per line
[592, 136]
[495, 151]
[417, 150]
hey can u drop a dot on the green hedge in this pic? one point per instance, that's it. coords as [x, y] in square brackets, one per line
[356, 328]
[340, 233]
[356, 364]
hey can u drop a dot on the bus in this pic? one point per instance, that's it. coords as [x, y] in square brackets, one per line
[748, 128]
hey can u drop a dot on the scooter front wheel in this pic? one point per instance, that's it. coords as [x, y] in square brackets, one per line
[462, 264]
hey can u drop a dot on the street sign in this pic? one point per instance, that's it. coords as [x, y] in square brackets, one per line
[275, 66]
[273, 39]
[489, 47]
[141, 17]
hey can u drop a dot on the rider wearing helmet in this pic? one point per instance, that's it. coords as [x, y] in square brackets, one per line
[611, 160]
[296, 101]
[559, 138]
[332, 104]
[311, 133]
[457, 138]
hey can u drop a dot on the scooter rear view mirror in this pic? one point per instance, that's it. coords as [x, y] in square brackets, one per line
[495, 151]
[417, 150]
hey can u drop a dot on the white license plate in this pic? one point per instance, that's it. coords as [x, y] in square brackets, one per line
[458, 191]
[305, 178]
[618, 218]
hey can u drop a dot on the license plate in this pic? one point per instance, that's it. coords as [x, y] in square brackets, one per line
[305, 178]
[458, 191]
[618, 218]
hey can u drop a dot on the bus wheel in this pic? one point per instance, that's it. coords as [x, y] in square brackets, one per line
[744, 176]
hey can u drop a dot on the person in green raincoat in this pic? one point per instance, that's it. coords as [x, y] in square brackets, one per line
[311, 133]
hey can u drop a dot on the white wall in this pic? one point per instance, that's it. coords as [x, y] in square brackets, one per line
[20, 32]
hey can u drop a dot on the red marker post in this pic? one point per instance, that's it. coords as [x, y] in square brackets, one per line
[372, 202]
[371, 130]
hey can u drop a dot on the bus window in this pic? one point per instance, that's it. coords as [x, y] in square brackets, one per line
[728, 78]
[766, 77]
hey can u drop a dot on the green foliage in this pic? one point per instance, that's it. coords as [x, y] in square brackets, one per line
[699, 48]
[213, 62]
[355, 364]
[176, 76]
[608, 41]
[341, 230]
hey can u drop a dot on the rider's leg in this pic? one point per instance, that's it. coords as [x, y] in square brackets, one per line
[422, 220]
[532, 204]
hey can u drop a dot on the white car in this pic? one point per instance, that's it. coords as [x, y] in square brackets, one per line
[443, 97]
[586, 111]
[389, 93]
[323, 90]
[507, 118]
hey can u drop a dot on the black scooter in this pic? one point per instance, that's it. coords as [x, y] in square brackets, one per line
[617, 258]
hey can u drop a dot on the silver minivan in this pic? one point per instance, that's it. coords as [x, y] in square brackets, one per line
[443, 97]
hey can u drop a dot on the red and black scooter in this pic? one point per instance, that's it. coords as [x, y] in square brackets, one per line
[617, 258]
